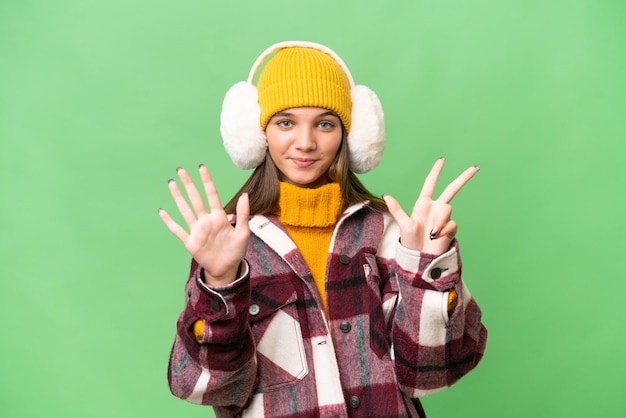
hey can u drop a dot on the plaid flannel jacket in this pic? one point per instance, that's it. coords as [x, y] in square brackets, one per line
[269, 351]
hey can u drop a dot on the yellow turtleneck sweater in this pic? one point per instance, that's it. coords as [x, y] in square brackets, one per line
[309, 216]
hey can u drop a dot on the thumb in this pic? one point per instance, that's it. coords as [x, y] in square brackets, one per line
[395, 209]
[243, 213]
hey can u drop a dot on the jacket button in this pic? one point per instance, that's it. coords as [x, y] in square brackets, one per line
[345, 326]
[435, 273]
[354, 402]
[215, 305]
[254, 309]
[344, 259]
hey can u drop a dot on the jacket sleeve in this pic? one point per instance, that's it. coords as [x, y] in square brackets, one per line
[432, 347]
[220, 367]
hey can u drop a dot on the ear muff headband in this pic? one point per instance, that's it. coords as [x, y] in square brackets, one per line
[245, 140]
[303, 44]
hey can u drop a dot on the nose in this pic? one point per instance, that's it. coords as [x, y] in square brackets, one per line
[304, 139]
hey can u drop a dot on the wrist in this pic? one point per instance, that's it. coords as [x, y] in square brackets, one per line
[221, 280]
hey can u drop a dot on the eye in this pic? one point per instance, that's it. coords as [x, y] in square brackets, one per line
[284, 123]
[326, 124]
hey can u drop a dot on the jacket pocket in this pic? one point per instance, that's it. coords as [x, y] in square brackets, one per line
[273, 317]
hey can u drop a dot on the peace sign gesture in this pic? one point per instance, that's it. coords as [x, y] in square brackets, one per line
[429, 228]
[212, 241]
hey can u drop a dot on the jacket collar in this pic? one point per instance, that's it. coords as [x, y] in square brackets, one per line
[269, 230]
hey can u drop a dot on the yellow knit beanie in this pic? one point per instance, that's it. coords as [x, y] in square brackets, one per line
[302, 76]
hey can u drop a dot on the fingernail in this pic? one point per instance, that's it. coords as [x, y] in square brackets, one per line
[442, 158]
[178, 169]
[201, 165]
[169, 181]
[433, 232]
[477, 168]
[382, 196]
[160, 209]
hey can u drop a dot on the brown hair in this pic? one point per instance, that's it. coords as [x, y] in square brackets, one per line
[263, 186]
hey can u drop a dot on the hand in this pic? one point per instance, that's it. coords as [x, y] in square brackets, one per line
[429, 228]
[212, 241]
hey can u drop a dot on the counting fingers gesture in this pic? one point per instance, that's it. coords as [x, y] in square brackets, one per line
[210, 238]
[429, 228]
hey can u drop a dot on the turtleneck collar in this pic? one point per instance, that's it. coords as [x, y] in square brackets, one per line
[299, 206]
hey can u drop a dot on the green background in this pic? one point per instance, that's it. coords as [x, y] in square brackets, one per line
[101, 100]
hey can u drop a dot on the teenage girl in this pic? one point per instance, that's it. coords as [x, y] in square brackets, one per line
[307, 295]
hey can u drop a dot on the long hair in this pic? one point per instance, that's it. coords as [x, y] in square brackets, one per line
[263, 185]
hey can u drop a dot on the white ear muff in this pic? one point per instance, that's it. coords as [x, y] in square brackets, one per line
[241, 131]
[366, 140]
[245, 140]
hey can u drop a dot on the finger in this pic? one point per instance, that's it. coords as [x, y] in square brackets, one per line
[453, 188]
[442, 214]
[181, 203]
[431, 179]
[192, 192]
[210, 190]
[243, 213]
[449, 230]
[395, 209]
[174, 228]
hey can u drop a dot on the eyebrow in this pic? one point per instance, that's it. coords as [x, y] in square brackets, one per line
[327, 113]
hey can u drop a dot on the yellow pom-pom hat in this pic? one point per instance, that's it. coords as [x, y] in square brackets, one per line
[301, 74]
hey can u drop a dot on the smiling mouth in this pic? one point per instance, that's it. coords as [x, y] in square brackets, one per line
[302, 163]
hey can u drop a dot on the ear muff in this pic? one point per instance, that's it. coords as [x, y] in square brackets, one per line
[245, 140]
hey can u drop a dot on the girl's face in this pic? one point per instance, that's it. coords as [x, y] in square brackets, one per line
[303, 143]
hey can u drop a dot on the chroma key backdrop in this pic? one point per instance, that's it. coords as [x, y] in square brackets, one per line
[100, 101]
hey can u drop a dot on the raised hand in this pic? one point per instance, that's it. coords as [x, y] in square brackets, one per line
[429, 227]
[212, 241]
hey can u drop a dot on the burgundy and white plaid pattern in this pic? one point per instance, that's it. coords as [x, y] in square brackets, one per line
[268, 350]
